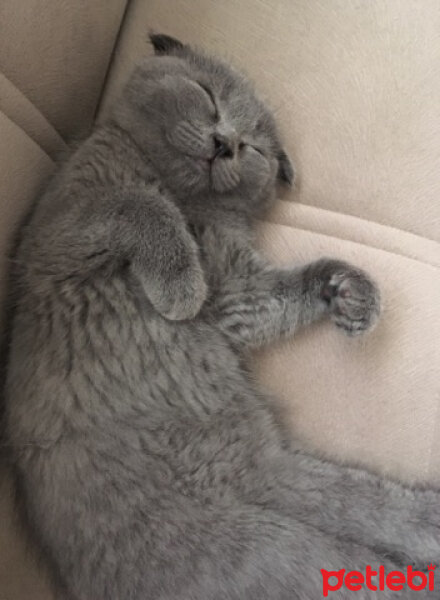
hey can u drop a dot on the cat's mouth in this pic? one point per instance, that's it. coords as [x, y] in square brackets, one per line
[223, 173]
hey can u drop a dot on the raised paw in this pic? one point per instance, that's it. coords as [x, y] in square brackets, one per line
[353, 298]
[186, 296]
[183, 297]
[179, 292]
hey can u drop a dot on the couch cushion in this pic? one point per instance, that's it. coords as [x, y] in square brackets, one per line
[18, 109]
[57, 54]
[24, 168]
[354, 87]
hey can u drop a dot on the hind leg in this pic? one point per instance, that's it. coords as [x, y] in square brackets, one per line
[344, 502]
[351, 504]
[255, 554]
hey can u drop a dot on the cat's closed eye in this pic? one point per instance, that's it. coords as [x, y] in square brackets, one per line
[243, 145]
[209, 93]
[258, 150]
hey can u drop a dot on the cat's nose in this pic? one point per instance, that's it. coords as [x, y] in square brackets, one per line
[222, 148]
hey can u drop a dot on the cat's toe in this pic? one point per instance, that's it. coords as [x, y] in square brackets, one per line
[354, 301]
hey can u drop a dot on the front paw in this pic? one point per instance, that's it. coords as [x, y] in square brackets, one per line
[183, 297]
[353, 298]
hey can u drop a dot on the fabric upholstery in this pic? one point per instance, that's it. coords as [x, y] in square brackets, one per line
[24, 167]
[57, 53]
[18, 108]
[356, 87]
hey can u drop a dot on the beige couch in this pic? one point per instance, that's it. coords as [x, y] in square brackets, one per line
[356, 87]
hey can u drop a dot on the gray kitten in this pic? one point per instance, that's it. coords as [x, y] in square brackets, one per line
[150, 465]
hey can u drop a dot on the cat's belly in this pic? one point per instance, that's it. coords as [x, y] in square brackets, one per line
[144, 360]
[104, 354]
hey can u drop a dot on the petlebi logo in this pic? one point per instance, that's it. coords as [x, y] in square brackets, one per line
[380, 580]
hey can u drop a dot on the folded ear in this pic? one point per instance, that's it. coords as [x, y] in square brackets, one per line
[286, 172]
[165, 44]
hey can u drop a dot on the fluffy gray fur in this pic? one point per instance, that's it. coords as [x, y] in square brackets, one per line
[150, 464]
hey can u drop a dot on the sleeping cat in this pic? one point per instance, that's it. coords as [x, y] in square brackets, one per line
[150, 465]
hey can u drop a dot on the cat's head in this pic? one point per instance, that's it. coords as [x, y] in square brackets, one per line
[204, 128]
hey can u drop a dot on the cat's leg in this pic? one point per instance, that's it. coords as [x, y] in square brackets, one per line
[260, 555]
[350, 503]
[255, 305]
[264, 469]
[151, 235]
[138, 233]
[229, 552]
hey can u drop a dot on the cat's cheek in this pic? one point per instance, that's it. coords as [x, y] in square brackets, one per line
[256, 172]
[190, 138]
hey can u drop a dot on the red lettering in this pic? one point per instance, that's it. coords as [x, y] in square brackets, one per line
[354, 580]
[431, 579]
[381, 578]
[395, 581]
[326, 586]
[370, 573]
[410, 575]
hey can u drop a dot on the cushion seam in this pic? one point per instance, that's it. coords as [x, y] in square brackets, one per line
[367, 220]
[417, 260]
[360, 219]
[31, 140]
[111, 60]
[53, 132]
